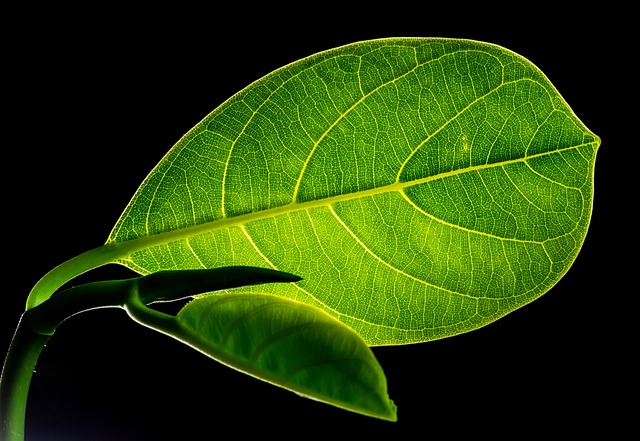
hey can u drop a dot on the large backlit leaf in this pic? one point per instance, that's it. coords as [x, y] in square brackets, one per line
[421, 187]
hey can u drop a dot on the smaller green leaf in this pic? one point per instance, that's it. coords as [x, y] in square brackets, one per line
[282, 341]
[290, 344]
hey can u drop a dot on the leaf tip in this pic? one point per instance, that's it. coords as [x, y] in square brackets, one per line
[392, 414]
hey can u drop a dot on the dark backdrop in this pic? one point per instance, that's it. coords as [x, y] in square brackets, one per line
[93, 100]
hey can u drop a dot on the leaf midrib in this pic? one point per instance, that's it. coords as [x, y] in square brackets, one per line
[225, 222]
[184, 233]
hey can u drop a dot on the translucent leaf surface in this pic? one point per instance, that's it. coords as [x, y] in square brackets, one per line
[421, 187]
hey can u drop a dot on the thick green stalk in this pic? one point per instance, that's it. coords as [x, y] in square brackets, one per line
[70, 269]
[34, 330]
[20, 362]
[39, 322]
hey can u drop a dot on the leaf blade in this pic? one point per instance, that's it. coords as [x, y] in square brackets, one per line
[290, 344]
[295, 173]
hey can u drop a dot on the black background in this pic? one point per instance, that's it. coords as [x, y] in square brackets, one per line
[94, 99]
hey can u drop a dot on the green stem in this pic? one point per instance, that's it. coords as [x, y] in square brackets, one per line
[35, 328]
[72, 268]
[19, 365]
[47, 311]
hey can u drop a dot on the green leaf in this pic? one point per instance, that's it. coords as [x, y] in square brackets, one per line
[284, 342]
[421, 187]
